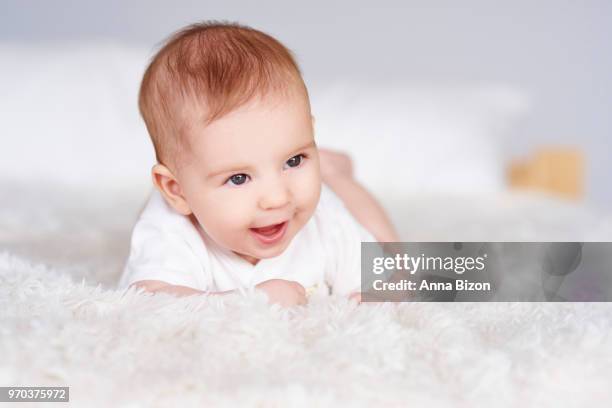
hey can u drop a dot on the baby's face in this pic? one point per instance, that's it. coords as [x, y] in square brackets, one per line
[256, 167]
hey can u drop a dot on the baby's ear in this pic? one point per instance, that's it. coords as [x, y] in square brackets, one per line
[170, 189]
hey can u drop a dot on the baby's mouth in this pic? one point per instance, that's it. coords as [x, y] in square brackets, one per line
[269, 230]
[270, 234]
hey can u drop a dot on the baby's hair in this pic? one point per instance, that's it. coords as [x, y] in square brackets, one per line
[204, 71]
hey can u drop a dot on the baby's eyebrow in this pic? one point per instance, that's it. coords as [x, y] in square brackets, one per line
[233, 169]
[239, 168]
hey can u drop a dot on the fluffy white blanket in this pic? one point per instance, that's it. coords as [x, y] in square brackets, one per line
[62, 323]
[129, 349]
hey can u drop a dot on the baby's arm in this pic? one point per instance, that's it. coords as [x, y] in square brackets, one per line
[337, 173]
[154, 286]
[281, 291]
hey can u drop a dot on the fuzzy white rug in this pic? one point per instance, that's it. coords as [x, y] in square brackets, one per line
[131, 350]
[62, 323]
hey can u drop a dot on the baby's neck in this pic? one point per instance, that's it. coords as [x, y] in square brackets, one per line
[253, 261]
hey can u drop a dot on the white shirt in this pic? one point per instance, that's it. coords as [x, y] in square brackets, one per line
[325, 253]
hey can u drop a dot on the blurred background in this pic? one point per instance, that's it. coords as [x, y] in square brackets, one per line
[557, 52]
[472, 120]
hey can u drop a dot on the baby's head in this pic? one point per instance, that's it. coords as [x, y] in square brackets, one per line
[229, 116]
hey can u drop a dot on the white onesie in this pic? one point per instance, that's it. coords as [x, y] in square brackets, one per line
[325, 253]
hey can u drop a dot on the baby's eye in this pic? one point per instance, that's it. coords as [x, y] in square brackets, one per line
[295, 160]
[237, 179]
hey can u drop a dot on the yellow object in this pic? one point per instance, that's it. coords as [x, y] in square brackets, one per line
[557, 170]
[311, 290]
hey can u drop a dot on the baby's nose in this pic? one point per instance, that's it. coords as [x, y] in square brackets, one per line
[275, 196]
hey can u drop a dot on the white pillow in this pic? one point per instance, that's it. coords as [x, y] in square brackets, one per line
[71, 116]
[407, 137]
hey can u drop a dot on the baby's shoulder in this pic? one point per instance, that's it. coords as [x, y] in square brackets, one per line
[335, 221]
[159, 218]
[329, 202]
[331, 215]
[158, 212]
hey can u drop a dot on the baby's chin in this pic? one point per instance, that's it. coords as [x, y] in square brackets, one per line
[272, 252]
[255, 256]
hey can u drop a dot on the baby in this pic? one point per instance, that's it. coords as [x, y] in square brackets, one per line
[243, 198]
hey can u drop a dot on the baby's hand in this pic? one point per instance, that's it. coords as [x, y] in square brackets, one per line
[284, 292]
[356, 296]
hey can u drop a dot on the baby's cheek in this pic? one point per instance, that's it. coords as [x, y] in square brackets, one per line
[309, 189]
[234, 214]
[222, 217]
